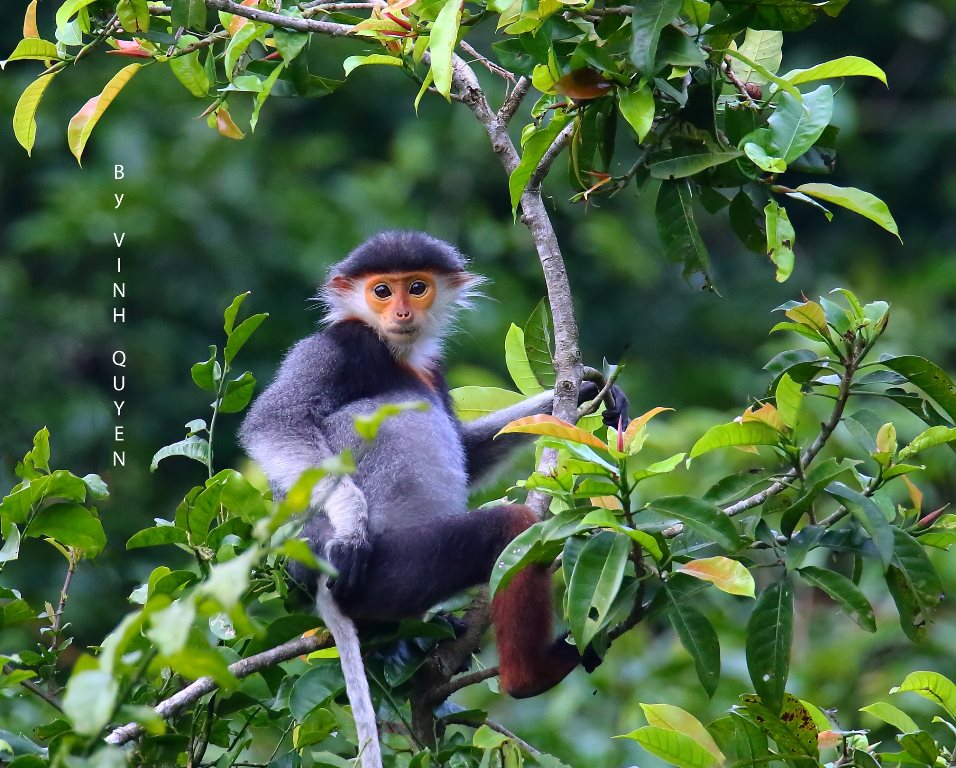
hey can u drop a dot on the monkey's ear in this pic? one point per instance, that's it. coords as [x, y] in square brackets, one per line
[340, 284]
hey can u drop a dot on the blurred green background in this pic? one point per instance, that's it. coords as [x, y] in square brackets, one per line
[207, 218]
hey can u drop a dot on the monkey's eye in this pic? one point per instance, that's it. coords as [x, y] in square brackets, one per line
[418, 288]
[382, 291]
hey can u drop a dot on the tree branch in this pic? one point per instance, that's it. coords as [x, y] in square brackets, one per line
[329, 28]
[547, 160]
[514, 100]
[243, 668]
[826, 430]
[48, 697]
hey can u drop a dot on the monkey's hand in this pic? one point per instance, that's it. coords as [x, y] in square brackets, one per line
[613, 416]
[349, 548]
[349, 556]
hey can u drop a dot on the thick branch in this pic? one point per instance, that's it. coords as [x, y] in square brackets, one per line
[330, 28]
[242, 668]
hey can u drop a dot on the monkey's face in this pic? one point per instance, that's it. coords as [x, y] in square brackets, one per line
[402, 302]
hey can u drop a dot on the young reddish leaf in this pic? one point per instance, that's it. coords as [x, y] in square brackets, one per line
[226, 126]
[552, 426]
[727, 575]
[131, 48]
[638, 424]
[24, 115]
[237, 22]
[30, 21]
[915, 494]
[83, 122]
[583, 84]
[765, 414]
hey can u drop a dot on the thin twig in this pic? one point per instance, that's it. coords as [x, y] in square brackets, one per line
[48, 697]
[739, 84]
[826, 429]
[64, 595]
[495, 726]
[336, 7]
[473, 678]
[487, 63]
[243, 668]
[593, 375]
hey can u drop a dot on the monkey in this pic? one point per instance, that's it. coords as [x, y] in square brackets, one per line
[398, 531]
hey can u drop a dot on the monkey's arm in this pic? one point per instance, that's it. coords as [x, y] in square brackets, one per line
[484, 453]
[281, 432]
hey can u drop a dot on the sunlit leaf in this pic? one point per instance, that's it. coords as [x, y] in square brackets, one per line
[932, 686]
[444, 36]
[675, 748]
[516, 359]
[32, 49]
[781, 238]
[84, 121]
[676, 719]
[892, 715]
[727, 575]
[24, 115]
[856, 200]
[765, 48]
[474, 402]
[552, 426]
[637, 106]
[929, 439]
[735, 434]
[845, 66]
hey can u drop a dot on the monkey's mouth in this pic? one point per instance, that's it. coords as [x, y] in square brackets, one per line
[404, 333]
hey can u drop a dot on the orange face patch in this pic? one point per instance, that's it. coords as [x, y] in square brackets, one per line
[399, 298]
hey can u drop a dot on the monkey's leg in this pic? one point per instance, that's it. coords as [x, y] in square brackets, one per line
[531, 661]
[412, 568]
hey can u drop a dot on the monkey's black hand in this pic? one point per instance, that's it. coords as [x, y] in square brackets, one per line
[590, 660]
[350, 558]
[618, 414]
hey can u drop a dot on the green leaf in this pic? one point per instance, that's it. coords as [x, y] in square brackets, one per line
[819, 476]
[532, 151]
[702, 517]
[537, 345]
[474, 402]
[206, 374]
[647, 21]
[769, 637]
[797, 123]
[690, 165]
[844, 591]
[921, 746]
[675, 748]
[133, 15]
[856, 200]
[604, 518]
[699, 639]
[24, 115]
[788, 397]
[89, 700]
[866, 512]
[315, 688]
[890, 714]
[845, 66]
[932, 686]
[290, 42]
[195, 447]
[267, 85]
[485, 738]
[516, 358]
[353, 62]
[188, 69]
[595, 581]
[83, 122]
[237, 46]
[929, 439]
[72, 526]
[913, 584]
[238, 394]
[781, 238]
[528, 548]
[733, 434]
[678, 232]
[170, 627]
[367, 425]
[68, 10]
[157, 536]
[240, 335]
[32, 49]
[757, 146]
[232, 311]
[637, 106]
[792, 728]
[764, 47]
[676, 719]
[443, 38]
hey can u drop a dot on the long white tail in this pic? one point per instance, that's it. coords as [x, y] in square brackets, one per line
[356, 683]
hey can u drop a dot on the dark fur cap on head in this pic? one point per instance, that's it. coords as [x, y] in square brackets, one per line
[400, 251]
